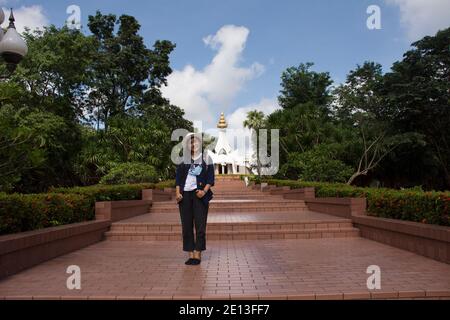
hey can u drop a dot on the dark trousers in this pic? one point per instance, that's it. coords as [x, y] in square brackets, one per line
[193, 212]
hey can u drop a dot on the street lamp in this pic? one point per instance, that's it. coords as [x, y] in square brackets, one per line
[12, 47]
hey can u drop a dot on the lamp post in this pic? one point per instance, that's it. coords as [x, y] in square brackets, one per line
[12, 47]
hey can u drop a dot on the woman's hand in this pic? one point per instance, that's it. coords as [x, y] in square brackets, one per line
[179, 197]
[200, 193]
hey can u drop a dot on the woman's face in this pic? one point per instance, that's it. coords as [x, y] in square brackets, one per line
[195, 145]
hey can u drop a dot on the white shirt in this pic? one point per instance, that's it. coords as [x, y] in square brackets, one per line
[191, 180]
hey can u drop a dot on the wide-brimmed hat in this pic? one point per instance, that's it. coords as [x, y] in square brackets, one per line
[187, 138]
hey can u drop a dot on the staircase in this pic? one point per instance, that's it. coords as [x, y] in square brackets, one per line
[237, 212]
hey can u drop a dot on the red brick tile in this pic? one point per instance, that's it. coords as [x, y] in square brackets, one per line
[384, 294]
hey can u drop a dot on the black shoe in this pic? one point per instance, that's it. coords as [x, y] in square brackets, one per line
[196, 262]
[190, 261]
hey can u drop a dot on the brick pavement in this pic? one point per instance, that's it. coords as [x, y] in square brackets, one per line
[284, 269]
[274, 254]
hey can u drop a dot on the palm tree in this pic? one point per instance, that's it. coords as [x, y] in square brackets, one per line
[255, 121]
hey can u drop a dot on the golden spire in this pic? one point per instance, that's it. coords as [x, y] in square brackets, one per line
[222, 122]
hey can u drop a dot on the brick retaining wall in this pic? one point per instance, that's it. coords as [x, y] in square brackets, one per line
[23, 250]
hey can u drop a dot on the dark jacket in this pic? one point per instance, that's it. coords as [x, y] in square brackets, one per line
[204, 178]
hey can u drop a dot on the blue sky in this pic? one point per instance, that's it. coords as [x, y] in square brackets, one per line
[258, 40]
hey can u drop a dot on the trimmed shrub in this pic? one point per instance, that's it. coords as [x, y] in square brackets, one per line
[165, 184]
[108, 192]
[411, 204]
[317, 165]
[24, 212]
[130, 172]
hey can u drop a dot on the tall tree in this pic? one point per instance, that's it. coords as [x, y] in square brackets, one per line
[301, 85]
[418, 96]
[360, 93]
[124, 68]
[55, 73]
[47, 92]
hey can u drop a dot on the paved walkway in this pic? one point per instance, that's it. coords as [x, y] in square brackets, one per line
[273, 269]
[280, 250]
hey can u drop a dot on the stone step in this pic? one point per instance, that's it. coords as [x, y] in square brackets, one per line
[235, 190]
[237, 209]
[235, 226]
[246, 197]
[272, 202]
[244, 206]
[263, 234]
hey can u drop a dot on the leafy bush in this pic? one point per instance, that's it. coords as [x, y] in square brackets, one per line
[130, 172]
[108, 192]
[318, 164]
[24, 212]
[165, 184]
[412, 205]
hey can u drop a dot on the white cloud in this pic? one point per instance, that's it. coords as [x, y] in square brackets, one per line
[203, 94]
[423, 17]
[27, 16]
[267, 106]
[236, 119]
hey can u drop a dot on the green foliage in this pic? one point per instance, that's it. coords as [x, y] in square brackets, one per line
[24, 212]
[394, 128]
[360, 94]
[56, 71]
[107, 192]
[123, 67]
[165, 184]
[318, 164]
[34, 148]
[130, 172]
[417, 98]
[129, 139]
[19, 212]
[411, 205]
[46, 92]
[69, 81]
[19, 148]
[301, 85]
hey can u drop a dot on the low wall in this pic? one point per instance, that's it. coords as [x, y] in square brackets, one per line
[300, 194]
[427, 240]
[23, 250]
[157, 195]
[278, 190]
[268, 188]
[120, 210]
[341, 207]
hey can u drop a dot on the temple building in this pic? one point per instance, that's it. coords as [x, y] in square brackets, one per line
[226, 159]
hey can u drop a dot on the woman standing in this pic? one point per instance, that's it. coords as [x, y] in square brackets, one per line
[194, 179]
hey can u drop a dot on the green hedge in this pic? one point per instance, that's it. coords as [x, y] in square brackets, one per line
[108, 192]
[130, 172]
[24, 212]
[102, 192]
[412, 205]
